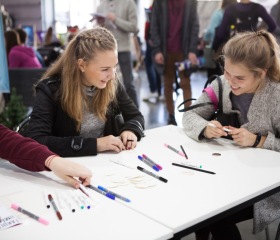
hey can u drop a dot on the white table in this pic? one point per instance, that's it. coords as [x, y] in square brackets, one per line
[190, 197]
[106, 220]
[182, 204]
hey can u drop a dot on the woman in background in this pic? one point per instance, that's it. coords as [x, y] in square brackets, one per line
[19, 56]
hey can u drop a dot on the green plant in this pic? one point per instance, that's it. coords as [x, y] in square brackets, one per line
[14, 111]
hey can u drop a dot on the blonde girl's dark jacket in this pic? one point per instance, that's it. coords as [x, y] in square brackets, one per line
[51, 126]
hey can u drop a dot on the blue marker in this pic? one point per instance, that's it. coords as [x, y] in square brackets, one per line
[113, 193]
[144, 160]
[109, 195]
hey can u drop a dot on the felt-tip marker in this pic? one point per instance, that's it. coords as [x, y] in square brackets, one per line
[152, 174]
[174, 150]
[39, 219]
[109, 195]
[113, 193]
[151, 161]
[144, 160]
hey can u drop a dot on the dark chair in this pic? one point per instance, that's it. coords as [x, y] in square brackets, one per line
[23, 80]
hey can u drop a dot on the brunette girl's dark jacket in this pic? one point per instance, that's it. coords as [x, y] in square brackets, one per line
[51, 126]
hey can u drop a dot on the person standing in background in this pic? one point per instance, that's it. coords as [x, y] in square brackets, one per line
[243, 16]
[120, 17]
[152, 74]
[174, 34]
[209, 35]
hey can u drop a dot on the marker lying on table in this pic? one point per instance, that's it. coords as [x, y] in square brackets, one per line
[113, 193]
[58, 214]
[192, 168]
[39, 219]
[152, 174]
[144, 160]
[186, 156]
[151, 161]
[109, 195]
[174, 150]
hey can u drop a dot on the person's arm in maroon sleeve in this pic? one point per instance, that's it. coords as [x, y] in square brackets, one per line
[30, 155]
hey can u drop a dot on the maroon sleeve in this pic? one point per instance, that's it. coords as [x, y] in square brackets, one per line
[23, 152]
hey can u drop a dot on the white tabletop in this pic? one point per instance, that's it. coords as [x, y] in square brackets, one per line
[105, 220]
[188, 197]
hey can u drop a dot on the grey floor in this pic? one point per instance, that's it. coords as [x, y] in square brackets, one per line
[155, 116]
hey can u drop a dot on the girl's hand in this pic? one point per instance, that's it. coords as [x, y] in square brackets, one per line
[129, 139]
[110, 143]
[242, 136]
[214, 130]
[69, 171]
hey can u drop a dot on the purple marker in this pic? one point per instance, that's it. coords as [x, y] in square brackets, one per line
[144, 160]
[151, 161]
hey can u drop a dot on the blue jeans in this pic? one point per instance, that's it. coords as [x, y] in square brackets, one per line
[153, 76]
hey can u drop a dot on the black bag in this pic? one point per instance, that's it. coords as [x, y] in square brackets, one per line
[226, 119]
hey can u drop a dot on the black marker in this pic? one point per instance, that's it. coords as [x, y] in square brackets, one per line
[192, 168]
[152, 174]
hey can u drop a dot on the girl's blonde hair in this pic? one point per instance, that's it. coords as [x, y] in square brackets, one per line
[86, 46]
[255, 50]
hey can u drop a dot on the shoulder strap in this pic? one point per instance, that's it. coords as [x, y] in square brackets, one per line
[212, 96]
[217, 102]
[220, 101]
[193, 106]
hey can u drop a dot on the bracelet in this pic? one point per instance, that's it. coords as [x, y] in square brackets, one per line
[49, 160]
[258, 139]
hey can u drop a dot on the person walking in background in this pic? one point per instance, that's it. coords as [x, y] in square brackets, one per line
[78, 98]
[275, 14]
[22, 39]
[153, 76]
[174, 36]
[32, 156]
[209, 35]
[120, 17]
[19, 56]
[251, 89]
